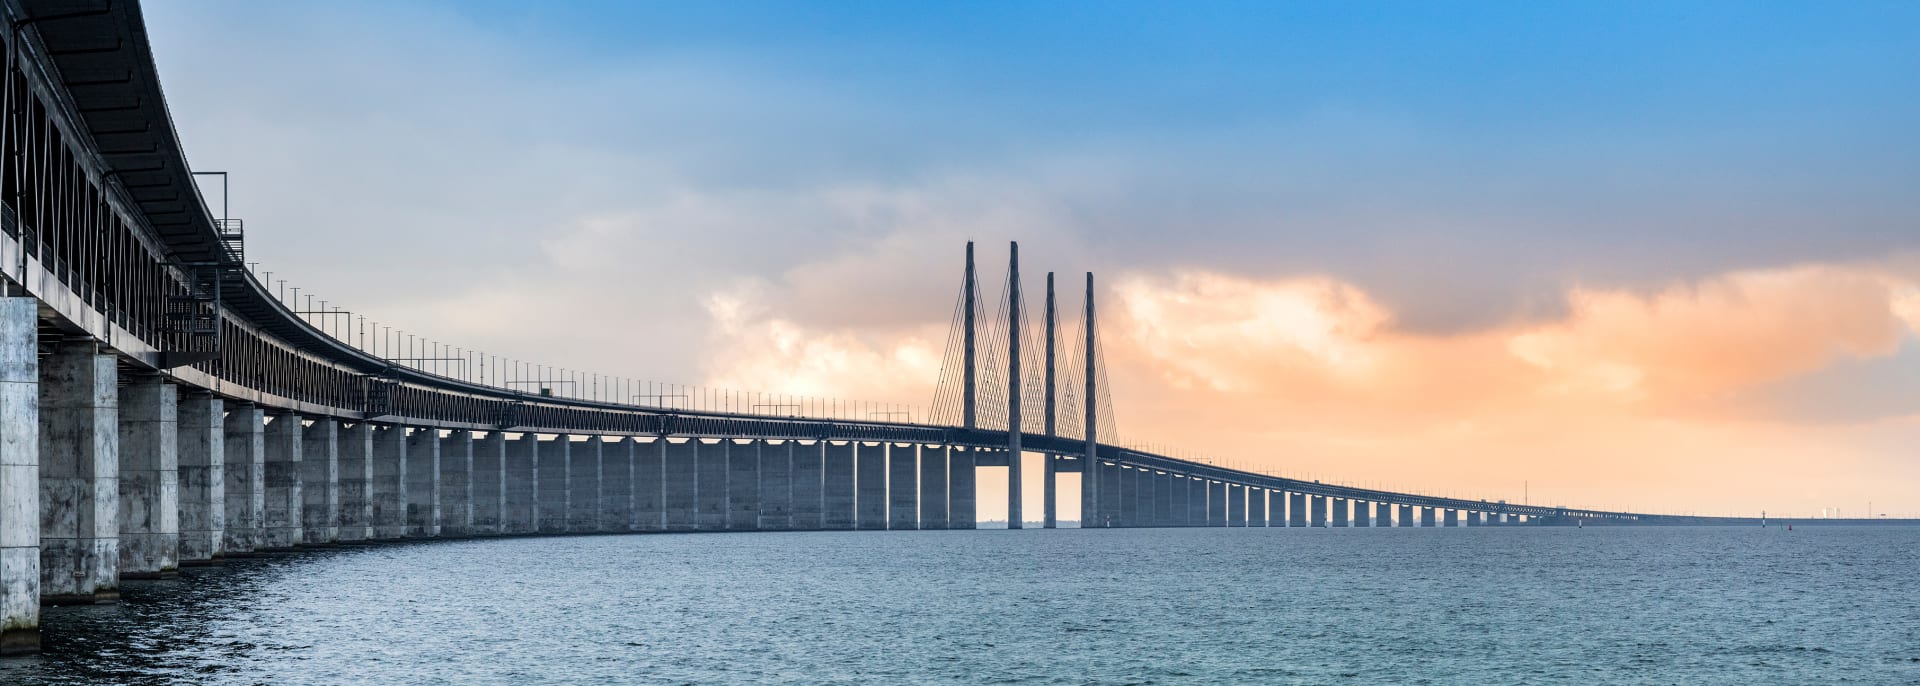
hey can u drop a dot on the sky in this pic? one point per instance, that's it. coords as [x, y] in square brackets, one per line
[1660, 257]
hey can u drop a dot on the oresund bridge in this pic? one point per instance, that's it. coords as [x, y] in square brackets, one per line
[161, 406]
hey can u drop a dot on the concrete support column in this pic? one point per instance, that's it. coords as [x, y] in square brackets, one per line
[79, 476]
[489, 484]
[838, 491]
[710, 485]
[1257, 507]
[682, 470]
[149, 479]
[1424, 516]
[423, 483]
[1472, 519]
[1382, 514]
[1453, 518]
[1089, 492]
[280, 527]
[522, 486]
[1403, 515]
[1338, 508]
[743, 485]
[616, 484]
[808, 481]
[1297, 514]
[355, 457]
[650, 485]
[1163, 500]
[320, 482]
[1216, 503]
[1129, 497]
[903, 486]
[19, 476]
[1111, 497]
[388, 490]
[961, 511]
[554, 457]
[203, 480]
[246, 448]
[1276, 508]
[870, 467]
[933, 487]
[776, 486]
[1147, 510]
[456, 484]
[1236, 505]
[583, 485]
[1182, 490]
[1197, 493]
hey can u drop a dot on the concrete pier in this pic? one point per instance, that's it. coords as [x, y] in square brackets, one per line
[489, 484]
[1181, 489]
[1197, 501]
[1297, 514]
[553, 461]
[1089, 503]
[246, 447]
[961, 511]
[456, 484]
[776, 486]
[1129, 492]
[1382, 515]
[710, 486]
[389, 485]
[743, 485]
[583, 485]
[1425, 516]
[79, 476]
[808, 482]
[1453, 518]
[1471, 519]
[522, 514]
[1403, 515]
[1316, 511]
[320, 482]
[870, 478]
[356, 482]
[903, 486]
[933, 487]
[1110, 495]
[149, 479]
[1163, 500]
[203, 481]
[616, 484]
[682, 469]
[1236, 505]
[650, 485]
[1257, 507]
[1216, 503]
[19, 476]
[837, 492]
[423, 483]
[1340, 510]
[1276, 508]
[280, 527]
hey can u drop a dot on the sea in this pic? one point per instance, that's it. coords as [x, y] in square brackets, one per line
[1512, 605]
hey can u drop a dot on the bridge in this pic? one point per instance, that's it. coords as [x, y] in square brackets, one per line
[161, 406]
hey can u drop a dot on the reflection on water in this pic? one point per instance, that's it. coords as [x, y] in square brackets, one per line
[1465, 606]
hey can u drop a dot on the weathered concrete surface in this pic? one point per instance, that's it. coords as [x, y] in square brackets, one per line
[1382, 514]
[1256, 507]
[1163, 500]
[355, 467]
[1276, 508]
[320, 482]
[1453, 518]
[1337, 507]
[1424, 516]
[837, 489]
[423, 483]
[743, 485]
[903, 486]
[555, 460]
[1403, 515]
[246, 446]
[1319, 511]
[1216, 503]
[962, 512]
[1089, 495]
[149, 479]
[522, 485]
[650, 486]
[19, 476]
[389, 485]
[203, 480]
[776, 485]
[933, 487]
[808, 481]
[870, 479]
[79, 475]
[280, 527]
[1110, 494]
[1129, 492]
[583, 485]
[710, 485]
[616, 485]
[1297, 514]
[682, 469]
[489, 482]
[456, 484]
[1182, 488]
[1236, 505]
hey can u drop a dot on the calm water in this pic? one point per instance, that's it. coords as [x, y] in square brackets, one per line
[1451, 606]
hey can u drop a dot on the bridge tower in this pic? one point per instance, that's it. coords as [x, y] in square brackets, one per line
[1047, 486]
[1015, 305]
[969, 289]
[1091, 468]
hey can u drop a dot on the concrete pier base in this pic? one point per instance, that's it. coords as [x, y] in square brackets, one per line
[1111, 495]
[1339, 509]
[246, 448]
[280, 527]
[1257, 507]
[1382, 515]
[682, 469]
[1297, 514]
[522, 513]
[933, 487]
[837, 490]
[583, 485]
[423, 483]
[1423, 516]
[456, 484]
[1216, 503]
[961, 500]
[489, 484]
[1182, 494]
[554, 461]
[355, 466]
[870, 479]
[710, 485]
[808, 482]
[1453, 518]
[1236, 505]
[1089, 500]
[203, 481]
[1197, 493]
[650, 486]
[776, 486]
[903, 486]
[616, 485]
[149, 479]
[389, 486]
[79, 475]
[1129, 492]
[320, 482]
[743, 485]
[19, 476]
